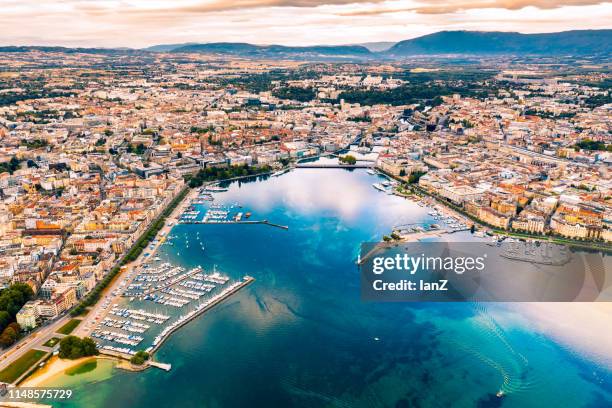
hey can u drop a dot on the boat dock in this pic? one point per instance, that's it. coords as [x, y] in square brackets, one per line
[215, 301]
[266, 222]
[174, 280]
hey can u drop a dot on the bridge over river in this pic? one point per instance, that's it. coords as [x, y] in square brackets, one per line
[314, 165]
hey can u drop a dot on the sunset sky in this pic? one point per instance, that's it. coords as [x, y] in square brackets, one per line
[138, 23]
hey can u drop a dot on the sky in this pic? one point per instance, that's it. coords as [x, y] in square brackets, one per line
[142, 23]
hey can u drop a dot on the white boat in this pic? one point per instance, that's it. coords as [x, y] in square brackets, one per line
[216, 189]
[370, 171]
[380, 187]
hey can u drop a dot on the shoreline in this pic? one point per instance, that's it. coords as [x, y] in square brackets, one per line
[247, 281]
[470, 219]
[96, 311]
[575, 327]
[55, 366]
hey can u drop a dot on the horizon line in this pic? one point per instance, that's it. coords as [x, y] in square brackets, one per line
[189, 42]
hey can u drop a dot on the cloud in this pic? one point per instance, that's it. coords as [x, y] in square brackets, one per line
[136, 23]
[214, 6]
[450, 7]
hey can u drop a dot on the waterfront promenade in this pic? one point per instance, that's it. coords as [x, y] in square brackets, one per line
[98, 312]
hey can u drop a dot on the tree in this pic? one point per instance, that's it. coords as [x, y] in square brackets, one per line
[10, 334]
[11, 166]
[139, 358]
[72, 347]
[89, 347]
[5, 319]
[348, 159]
[6, 339]
[414, 177]
[14, 297]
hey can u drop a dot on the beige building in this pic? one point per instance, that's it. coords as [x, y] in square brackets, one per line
[460, 194]
[529, 222]
[28, 316]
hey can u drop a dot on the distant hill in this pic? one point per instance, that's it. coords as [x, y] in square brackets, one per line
[67, 50]
[250, 50]
[581, 42]
[167, 47]
[584, 42]
[378, 46]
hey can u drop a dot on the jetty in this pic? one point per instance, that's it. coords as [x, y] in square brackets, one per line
[247, 280]
[163, 366]
[265, 222]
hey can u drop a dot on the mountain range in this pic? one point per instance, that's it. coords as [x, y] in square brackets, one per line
[250, 50]
[579, 43]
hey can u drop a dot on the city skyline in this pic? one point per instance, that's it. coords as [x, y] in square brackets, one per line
[103, 23]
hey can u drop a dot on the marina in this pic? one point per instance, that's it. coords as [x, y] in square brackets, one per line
[296, 297]
[203, 211]
[160, 298]
[445, 220]
[201, 308]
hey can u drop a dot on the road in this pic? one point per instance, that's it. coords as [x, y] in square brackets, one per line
[35, 340]
[99, 311]
[43, 334]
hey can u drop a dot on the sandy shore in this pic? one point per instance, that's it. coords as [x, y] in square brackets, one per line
[53, 367]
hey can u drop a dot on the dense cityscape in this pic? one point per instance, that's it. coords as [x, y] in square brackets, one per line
[98, 147]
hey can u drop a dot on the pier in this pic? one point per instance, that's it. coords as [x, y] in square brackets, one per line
[266, 222]
[245, 282]
[163, 366]
[125, 356]
[174, 280]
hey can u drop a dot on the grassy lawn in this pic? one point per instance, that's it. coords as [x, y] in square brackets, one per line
[21, 365]
[51, 342]
[69, 327]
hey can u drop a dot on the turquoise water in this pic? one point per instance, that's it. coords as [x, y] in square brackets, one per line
[301, 336]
